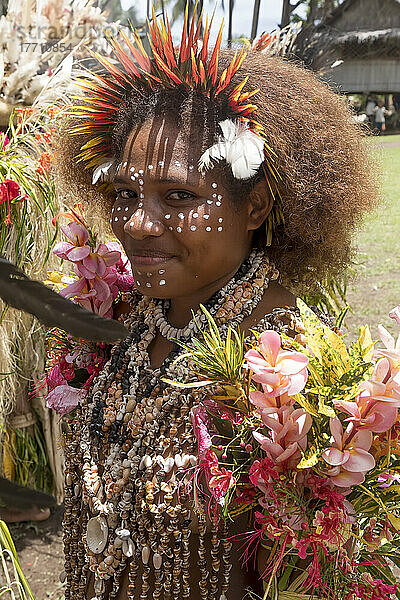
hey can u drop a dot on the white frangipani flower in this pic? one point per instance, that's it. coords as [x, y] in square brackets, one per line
[242, 149]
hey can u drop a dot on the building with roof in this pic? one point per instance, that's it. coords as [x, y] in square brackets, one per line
[357, 47]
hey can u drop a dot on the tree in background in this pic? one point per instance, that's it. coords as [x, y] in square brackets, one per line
[316, 10]
[114, 12]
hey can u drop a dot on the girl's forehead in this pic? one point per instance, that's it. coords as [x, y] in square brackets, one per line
[161, 141]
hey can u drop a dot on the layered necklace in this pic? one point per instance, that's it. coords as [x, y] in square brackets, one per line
[130, 496]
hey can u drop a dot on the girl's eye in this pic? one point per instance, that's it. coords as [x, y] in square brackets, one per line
[181, 195]
[126, 194]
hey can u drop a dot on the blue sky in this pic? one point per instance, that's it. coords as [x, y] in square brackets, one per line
[243, 13]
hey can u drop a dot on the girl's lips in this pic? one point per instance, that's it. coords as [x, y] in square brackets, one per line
[149, 260]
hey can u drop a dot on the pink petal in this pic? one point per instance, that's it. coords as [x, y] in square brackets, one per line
[267, 378]
[362, 440]
[351, 408]
[61, 248]
[383, 417]
[102, 289]
[270, 344]
[260, 400]
[297, 382]
[259, 437]
[359, 460]
[336, 430]
[335, 457]
[82, 270]
[74, 288]
[395, 314]
[78, 233]
[90, 262]
[78, 253]
[105, 307]
[290, 450]
[111, 258]
[381, 370]
[301, 424]
[346, 479]
[386, 337]
[290, 363]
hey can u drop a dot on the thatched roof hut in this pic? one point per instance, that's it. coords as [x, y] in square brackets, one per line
[357, 47]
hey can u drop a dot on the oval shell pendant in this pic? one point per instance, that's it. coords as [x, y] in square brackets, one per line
[97, 534]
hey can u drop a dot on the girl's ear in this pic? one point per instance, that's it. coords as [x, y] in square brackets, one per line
[260, 205]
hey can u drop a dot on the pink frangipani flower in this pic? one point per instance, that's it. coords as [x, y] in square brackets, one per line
[64, 398]
[279, 371]
[348, 456]
[288, 434]
[76, 249]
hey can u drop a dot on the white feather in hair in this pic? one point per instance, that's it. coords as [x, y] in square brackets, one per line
[242, 149]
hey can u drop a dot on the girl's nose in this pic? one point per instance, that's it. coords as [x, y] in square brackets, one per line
[142, 225]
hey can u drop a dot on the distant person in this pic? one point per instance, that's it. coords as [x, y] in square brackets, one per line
[380, 112]
[370, 108]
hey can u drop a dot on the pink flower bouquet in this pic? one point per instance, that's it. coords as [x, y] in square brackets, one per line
[307, 442]
[100, 273]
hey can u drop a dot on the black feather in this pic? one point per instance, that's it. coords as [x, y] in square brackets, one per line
[19, 497]
[17, 290]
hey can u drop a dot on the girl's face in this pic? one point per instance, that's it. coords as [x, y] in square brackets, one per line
[178, 228]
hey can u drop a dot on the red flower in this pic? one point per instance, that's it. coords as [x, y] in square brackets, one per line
[9, 190]
[44, 163]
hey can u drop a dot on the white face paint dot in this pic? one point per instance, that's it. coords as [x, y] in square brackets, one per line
[160, 163]
[208, 228]
[161, 271]
[167, 216]
[150, 167]
[170, 228]
[140, 181]
[149, 274]
[181, 215]
[126, 208]
[179, 229]
[138, 283]
[141, 172]
[219, 228]
[115, 218]
[119, 208]
[162, 281]
[124, 165]
[220, 220]
[195, 215]
[214, 185]
[133, 177]
[139, 272]
[206, 216]
[136, 174]
[193, 227]
[124, 218]
[209, 201]
[177, 163]
[141, 195]
[219, 197]
[110, 220]
[214, 195]
[140, 204]
[148, 284]
[191, 167]
[218, 203]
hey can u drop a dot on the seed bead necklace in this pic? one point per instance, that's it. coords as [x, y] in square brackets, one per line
[129, 461]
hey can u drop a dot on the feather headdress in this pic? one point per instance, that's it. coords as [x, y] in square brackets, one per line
[194, 65]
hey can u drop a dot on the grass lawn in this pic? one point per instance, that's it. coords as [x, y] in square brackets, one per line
[376, 289]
